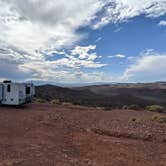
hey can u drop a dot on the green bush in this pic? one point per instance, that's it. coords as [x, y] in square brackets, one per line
[159, 118]
[155, 108]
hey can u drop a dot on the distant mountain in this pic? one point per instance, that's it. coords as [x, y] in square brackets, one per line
[38, 83]
[108, 95]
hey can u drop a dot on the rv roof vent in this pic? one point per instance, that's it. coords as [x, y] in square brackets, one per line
[7, 81]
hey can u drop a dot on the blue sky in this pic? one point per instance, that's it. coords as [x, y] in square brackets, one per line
[130, 39]
[90, 41]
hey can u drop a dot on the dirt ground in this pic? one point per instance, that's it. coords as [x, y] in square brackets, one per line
[64, 135]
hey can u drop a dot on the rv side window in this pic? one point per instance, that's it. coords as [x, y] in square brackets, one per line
[8, 88]
[28, 90]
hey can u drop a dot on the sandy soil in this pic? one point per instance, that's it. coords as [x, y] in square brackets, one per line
[58, 135]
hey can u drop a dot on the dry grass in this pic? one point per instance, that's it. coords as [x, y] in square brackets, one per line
[159, 118]
[155, 108]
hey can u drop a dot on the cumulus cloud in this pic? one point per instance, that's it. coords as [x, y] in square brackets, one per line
[162, 23]
[148, 67]
[67, 68]
[116, 11]
[39, 25]
[83, 52]
[33, 31]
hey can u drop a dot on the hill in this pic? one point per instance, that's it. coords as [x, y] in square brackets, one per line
[115, 95]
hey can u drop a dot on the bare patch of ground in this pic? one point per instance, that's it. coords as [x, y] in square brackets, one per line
[58, 135]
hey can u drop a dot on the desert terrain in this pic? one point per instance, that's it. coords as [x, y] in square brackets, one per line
[65, 135]
[108, 96]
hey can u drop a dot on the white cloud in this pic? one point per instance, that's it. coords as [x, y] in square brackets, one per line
[33, 31]
[117, 56]
[120, 56]
[162, 23]
[150, 67]
[83, 52]
[67, 68]
[116, 11]
[59, 72]
[39, 25]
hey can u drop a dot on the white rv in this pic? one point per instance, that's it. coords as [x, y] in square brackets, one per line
[16, 93]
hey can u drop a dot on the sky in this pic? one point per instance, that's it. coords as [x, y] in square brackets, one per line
[84, 41]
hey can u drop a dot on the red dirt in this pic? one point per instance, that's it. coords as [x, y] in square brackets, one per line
[58, 135]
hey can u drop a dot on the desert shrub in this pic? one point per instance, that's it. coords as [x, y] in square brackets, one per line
[39, 100]
[125, 107]
[99, 108]
[67, 103]
[162, 119]
[155, 108]
[156, 116]
[159, 118]
[131, 107]
[55, 101]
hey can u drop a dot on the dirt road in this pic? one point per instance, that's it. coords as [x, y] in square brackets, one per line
[59, 135]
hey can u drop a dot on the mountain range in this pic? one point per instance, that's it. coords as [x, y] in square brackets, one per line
[107, 95]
